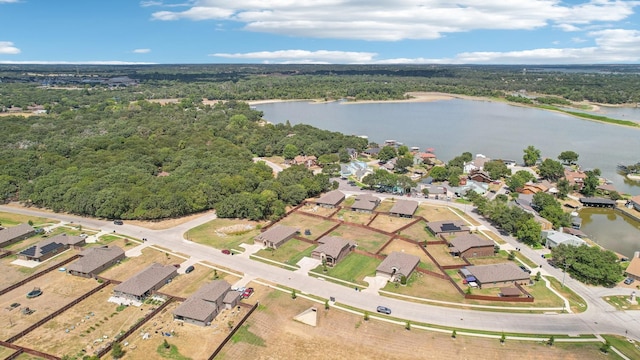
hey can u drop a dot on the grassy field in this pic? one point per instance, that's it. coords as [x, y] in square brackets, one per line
[407, 248]
[303, 222]
[288, 252]
[621, 302]
[11, 274]
[628, 347]
[317, 210]
[225, 233]
[576, 302]
[389, 223]
[367, 240]
[427, 287]
[11, 219]
[354, 268]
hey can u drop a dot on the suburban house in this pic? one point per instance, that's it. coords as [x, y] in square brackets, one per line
[50, 247]
[353, 153]
[372, 152]
[575, 177]
[470, 185]
[357, 169]
[475, 164]
[524, 202]
[447, 226]
[480, 176]
[554, 238]
[470, 245]
[365, 203]
[205, 304]
[435, 191]
[633, 270]
[634, 202]
[11, 235]
[145, 282]
[424, 158]
[276, 235]
[396, 265]
[331, 199]
[95, 260]
[332, 249]
[404, 208]
[307, 161]
[531, 188]
[499, 275]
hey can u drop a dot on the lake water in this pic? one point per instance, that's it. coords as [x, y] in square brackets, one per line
[496, 130]
[611, 230]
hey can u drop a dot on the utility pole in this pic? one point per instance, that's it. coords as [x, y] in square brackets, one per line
[565, 273]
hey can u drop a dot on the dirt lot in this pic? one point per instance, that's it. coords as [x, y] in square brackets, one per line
[225, 233]
[389, 223]
[353, 216]
[318, 210]
[436, 213]
[131, 266]
[88, 321]
[303, 222]
[271, 333]
[58, 290]
[367, 240]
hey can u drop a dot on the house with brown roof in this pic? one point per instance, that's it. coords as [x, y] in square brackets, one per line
[633, 270]
[531, 188]
[480, 176]
[365, 203]
[206, 303]
[142, 284]
[404, 208]
[12, 235]
[95, 260]
[47, 248]
[470, 245]
[307, 161]
[332, 249]
[499, 275]
[447, 226]
[575, 177]
[396, 265]
[331, 199]
[276, 236]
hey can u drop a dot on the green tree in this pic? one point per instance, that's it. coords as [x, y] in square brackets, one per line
[591, 182]
[439, 173]
[366, 316]
[402, 164]
[517, 180]
[564, 188]
[568, 157]
[529, 232]
[387, 153]
[496, 169]
[551, 170]
[290, 151]
[343, 156]
[116, 350]
[403, 150]
[590, 265]
[531, 155]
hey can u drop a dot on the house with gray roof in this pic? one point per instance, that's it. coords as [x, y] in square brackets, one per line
[47, 248]
[634, 202]
[13, 234]
[205, 304]
[332, 249]
[404, 208]
[447, 227]
[470, 245]
[95, 260]
[365, 203]
[396, 265]
[145, 282]
[276, 236]
[554, 238]
[331, 199]
[499, 275]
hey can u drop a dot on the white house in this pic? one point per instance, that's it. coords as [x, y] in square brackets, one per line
[554, 238]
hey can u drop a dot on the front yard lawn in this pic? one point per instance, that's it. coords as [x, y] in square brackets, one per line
[354, 268]
[367, 240]
[288, 252]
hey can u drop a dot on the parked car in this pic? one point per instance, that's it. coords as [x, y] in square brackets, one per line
[226, 252]
[629, 281]
[118, 222]
[247, 293]
[524, 268]
[189, 269]
[383, 310]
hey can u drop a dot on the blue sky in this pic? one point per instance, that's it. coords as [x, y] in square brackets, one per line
[320, 31]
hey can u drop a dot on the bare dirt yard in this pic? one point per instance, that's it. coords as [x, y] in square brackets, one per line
[271, 333]
[436, 213]
[132, 265]
[351, 216]
[225, 233]
[11, 273]
[303, 222]
[317, 210]
[418, 232]
[389, 223]
[86, 326]
[442, 255]
[186, 284]
[58, 289]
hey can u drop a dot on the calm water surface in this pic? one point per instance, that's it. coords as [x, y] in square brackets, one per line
[611, 230]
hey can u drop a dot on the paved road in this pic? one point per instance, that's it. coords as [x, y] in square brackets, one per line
[600, 318]
[276, 168]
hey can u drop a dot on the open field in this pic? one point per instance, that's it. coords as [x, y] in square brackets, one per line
[184, 285]
[303, 222]
[367, 240]
[628, 347]
[87, 323]
[58, 289]
[351, 216]
[225, 233]
[418, 232]
[317, 210]
[11, 219]
[442, 255]
[132, 265]
[354, 268]
[271, 333]
[436, 213]
[287, 253]
[389, 223]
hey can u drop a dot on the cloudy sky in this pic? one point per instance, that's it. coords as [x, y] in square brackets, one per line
[320, 31]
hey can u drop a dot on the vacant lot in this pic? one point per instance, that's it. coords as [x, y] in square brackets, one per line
[132, 265]
[58, 289]
[367, 240]
[184, 285]
[418, 232]
[390, 223]
[354, 268]
[355, 217]
[289, 253]
[303, 222]
[84, 326]
[225, 233]
[11, 219]
[271, 333]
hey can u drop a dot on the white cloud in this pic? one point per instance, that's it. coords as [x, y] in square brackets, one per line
[7, 48]
[578, 40]
[303, 56]
[90, 62]
[402, 19]
[8, 1]
[141, 51]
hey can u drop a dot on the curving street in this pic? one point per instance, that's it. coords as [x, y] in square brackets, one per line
[600, 317]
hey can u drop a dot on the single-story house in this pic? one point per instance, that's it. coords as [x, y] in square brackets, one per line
[470, 245]
[50, 247]
[493, 275]
[11, 235]
[480, 176]
[531, 188]
[139, 286]
[372, 151]
[365, 203]
[331, 199]
[435, 191]
[332, 249]
[475, 164]
[554, 238]
[404, 208]
[205, 304]
[95, 260]
[307, 161]
[396, 265]
[276, 236]
[633, 270]
[634, 202]
[575, 177]
[447, 226]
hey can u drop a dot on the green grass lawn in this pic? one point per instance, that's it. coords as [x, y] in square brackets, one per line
[212, 234]
[575, 301]
[627, 347]
[10, 219]
[621, 302]
[367, 240]
[289, 253]
[354, 268]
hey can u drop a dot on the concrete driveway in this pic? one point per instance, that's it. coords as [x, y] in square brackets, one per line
[307, 264]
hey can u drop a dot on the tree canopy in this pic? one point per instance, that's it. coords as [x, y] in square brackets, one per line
[568, 157]
[531, 155]
[588, 264]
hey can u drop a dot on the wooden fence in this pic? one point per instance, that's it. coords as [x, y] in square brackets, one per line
[37, 275]
[226, 339]
[21, 349]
